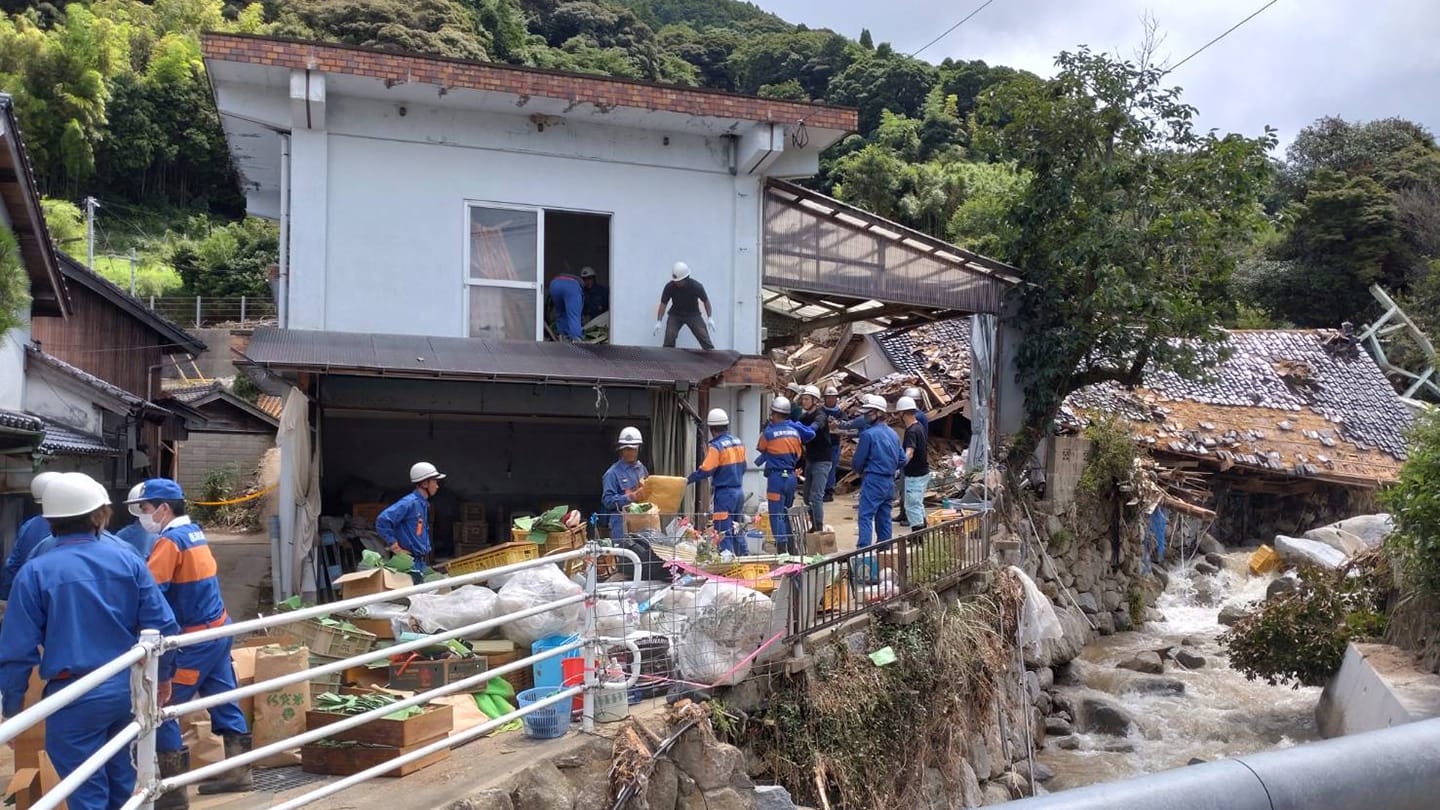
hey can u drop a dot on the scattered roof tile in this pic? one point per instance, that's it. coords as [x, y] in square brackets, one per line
[63, 440]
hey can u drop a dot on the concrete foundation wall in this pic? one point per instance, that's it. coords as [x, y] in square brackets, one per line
[1378, 686]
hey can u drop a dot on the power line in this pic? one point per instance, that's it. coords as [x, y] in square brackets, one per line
[1227, 33]
[947, 31]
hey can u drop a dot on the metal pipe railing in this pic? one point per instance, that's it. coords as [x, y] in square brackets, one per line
[22, 722]
[1395, 768]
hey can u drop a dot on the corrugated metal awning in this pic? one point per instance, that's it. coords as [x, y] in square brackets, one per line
[829, 262]
[475, 358]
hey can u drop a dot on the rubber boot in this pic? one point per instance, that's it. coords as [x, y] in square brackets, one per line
[174, 763]
[238, 779]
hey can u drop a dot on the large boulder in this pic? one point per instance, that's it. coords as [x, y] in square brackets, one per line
[1371, 529]
[1101, 715]
[1075, 634]
[1188, 659]
[1280, 585]
[970, 793]
[1147, 662]
[1232, 613]
[1206, 568]
[1209, 545]
[1088, 603]
[543, 787]
[1338, 539]
[1298, 550]
[1152, 685]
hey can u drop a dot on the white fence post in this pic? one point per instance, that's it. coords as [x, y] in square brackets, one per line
[197, 312]
[592, 647]
[242, 309]
[145, 697]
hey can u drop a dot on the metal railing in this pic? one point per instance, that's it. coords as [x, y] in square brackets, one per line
[143, 662]
[198, 310]
[844, 586]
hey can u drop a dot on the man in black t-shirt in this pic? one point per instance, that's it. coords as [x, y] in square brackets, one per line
[684, 295]
[917, 463]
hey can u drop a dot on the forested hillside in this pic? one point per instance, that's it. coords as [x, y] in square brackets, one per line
[115, 104]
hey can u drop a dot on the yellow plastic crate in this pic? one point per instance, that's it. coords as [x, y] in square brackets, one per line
[752, 571]
[503, 554]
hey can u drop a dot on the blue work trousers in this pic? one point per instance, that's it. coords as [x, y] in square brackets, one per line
[834, 467]
[779, 496]
[204, 670]
[816, 474]
[79, 730]
[568, 298]
[876, 492]
[728, 501]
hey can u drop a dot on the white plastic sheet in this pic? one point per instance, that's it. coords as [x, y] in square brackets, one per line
[1038, 622]
[730, 623]
[531, 588]
[437, 612]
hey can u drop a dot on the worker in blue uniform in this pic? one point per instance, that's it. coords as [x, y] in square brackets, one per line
[135, 534]
[781, 448]
[622, 480]
[405, 524]
[71, 611]
[567, 300]
[725, 463]
[833, 416]
[878, 458]
[597, 295]
[31, 532]
[185, 570]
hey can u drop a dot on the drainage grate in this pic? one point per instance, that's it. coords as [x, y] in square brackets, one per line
[278, 780]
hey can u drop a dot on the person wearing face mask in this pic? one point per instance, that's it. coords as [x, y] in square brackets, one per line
[405, 524]
[135, 534]
[72, 610]
[185, 570]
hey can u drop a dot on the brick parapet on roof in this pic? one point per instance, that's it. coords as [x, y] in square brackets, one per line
[450, 73]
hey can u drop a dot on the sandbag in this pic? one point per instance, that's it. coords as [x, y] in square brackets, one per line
[1298, 550]
[280, 713]
[436, 612]
[531, 588]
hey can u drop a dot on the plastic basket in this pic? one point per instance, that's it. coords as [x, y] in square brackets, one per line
[330, 641]
[752, 571]
[325, 683]
[503, 554]
[547, 723]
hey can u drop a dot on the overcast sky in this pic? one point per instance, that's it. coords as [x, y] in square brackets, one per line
[1297, 61]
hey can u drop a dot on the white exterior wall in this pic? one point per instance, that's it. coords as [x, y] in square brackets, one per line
[12, 353]
[379, 218]
[55, 396]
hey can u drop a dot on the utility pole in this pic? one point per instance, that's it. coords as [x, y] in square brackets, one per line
[132, 272]
[90, 205]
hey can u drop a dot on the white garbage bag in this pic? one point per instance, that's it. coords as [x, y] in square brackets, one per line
[438, 612]
[1038, 622]
[729, 624]
[534, 587]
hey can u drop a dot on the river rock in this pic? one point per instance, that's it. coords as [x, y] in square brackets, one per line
[1122, 621]
[1016, 783]
[1058, 727]
[1100, 715]
[996, 793]
[1191, 641]
[543, 787]
[978, 755]
[1280, 586]
[711, 764]
[1338, 539]
[1155, 686]
[773, 797]
[1110, 600]
[1297, 550]
[1104, 623]
[1209, 545]
[1371, 529]
[726, 798]
[1071, 743]
[1206, 568]
[1215, 559]
[1147, 662]
[1189, 660]
[1197, 761]
[970, 793]
[1118, 747]
[1039, 773]
[1232, 613]
[1088, 603]
[1154, 615]
[1075, 633]
[1046, 676]
[489, 799]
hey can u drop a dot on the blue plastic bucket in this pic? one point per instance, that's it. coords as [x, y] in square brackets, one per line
[547, 723]
[550, 672]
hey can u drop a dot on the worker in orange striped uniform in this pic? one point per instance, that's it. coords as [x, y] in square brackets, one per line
[725, 462]
[781, 447]
[185, 570]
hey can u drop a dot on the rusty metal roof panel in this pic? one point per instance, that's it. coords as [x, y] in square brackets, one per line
[458, 358]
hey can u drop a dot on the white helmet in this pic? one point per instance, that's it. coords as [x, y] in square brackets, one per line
[630, 437]
[424, 471]
[873, 402]
[913, 393]
[587, 272]
[832, 391]
[780, 405]
[73, 495]
[810, 391]
[39, 482]
[794, 388]
[680, 271]
[717, 418]
[133, 499]
[904, 404]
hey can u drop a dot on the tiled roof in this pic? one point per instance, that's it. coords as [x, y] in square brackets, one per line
[62, 440]
[20, 421]
[939, 352]
[83, 376]
[192, 392]
[271, 405]
[457, 74]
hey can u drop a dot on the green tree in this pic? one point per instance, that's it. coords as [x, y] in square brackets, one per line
[812, 58]
[227, 261]
[1127, 231]
[66, 224]
[878, 83]
[872, 179]
[14, 284]
[983, 222]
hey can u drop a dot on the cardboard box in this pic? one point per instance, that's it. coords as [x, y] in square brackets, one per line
[435, 721]
[243, 659]
[380, 627]
[29, 784]
[346, 760]
[419, 676]
[637, 522]
[371, 581]
[820, 542]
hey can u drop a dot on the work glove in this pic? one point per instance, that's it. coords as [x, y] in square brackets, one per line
[658, 326]
[711, 323]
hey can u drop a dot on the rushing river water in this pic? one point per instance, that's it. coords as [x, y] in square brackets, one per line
[1220, 713]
